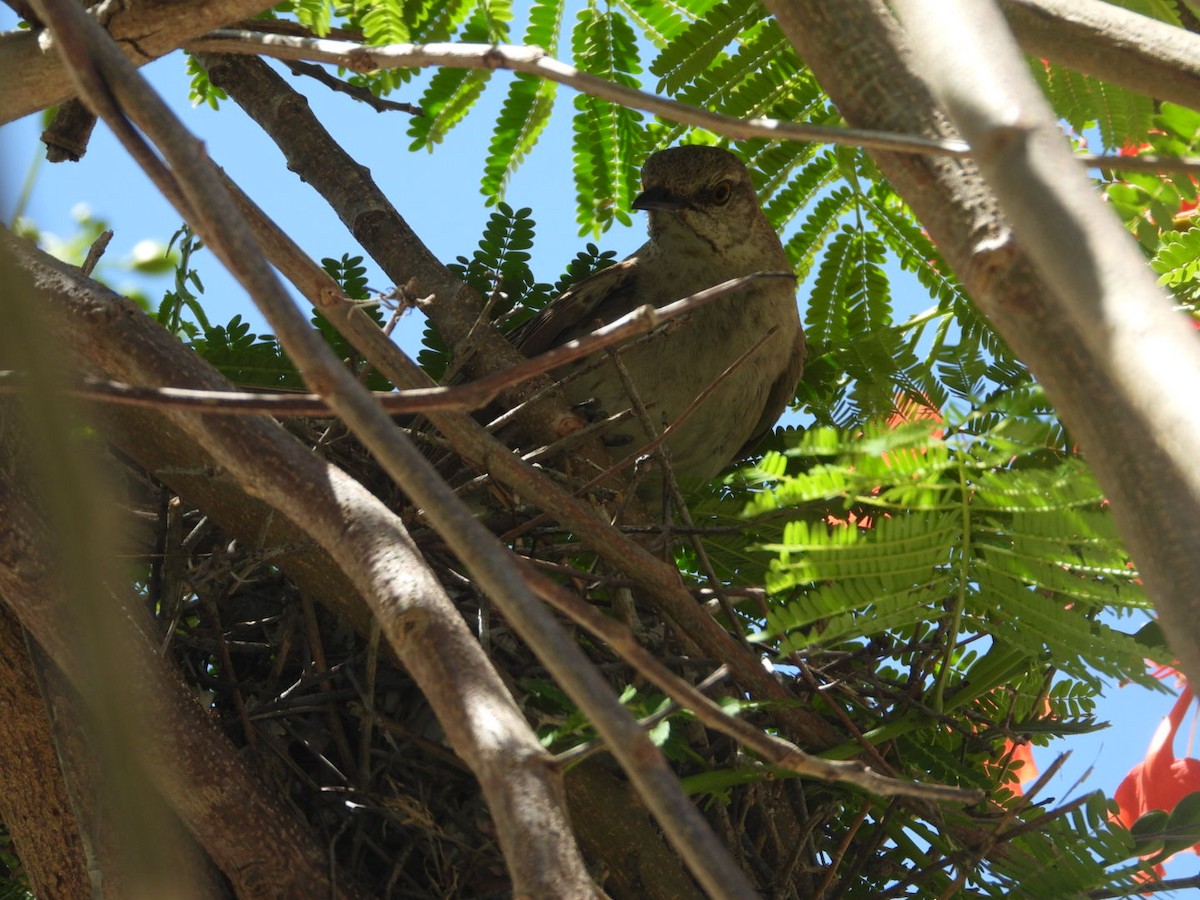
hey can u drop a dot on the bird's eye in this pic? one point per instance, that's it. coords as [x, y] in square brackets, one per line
[722, 192]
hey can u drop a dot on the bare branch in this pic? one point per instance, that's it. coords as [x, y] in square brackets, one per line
[463, 398]
[1105, 41]
[34, 79]
[379, 104]
[773, 750]
[535, 61]
[224, 230]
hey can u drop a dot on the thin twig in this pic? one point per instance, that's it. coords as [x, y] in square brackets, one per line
[464, 398]
[774, 750]
[361, 94]
[535, 61]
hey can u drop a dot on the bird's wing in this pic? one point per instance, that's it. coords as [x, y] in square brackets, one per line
[780, 395]
[606, 295]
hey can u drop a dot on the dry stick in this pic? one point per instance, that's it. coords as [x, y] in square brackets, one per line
[840, 852]
[362, 94]
[463, 398]
[226, 232]
[260, 98]
[577, 754]
[535, 61]
[774, 750]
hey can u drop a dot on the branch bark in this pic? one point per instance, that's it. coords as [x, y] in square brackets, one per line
[34, 803]
[100, 640]
[1144, 461]
[34, 79]
[1105, 41]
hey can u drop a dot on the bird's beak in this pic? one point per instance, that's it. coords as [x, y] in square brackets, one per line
[659, 198]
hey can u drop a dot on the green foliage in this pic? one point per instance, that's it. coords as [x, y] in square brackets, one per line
[1084, 102]
[528, 106]
[1178, 264]
[993, 521]
[316, 15]
[349, 273]
[699, 45]
[245, 358]
[1160, 834]
[499, 269]
[1163, 10]
[183, 298]
[202, 90]
[608, 136]
[452, 93]
[1161, 209]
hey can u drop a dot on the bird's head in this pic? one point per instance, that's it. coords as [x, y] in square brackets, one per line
[699, 199]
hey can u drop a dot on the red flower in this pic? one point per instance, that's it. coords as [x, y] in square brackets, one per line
[1160, 781]
[1024, 773]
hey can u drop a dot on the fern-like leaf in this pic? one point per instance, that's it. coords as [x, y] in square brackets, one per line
[697, 46]
[660, 21]
[527, 108]
[607, 136]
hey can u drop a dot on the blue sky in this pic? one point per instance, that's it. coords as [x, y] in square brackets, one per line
[439, 195]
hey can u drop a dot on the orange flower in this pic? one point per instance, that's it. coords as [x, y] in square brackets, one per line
[1160, 781]
[1017, 753]
[906, 410]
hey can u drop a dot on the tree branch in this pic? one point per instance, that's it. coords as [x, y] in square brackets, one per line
[99, 639]
[223, 229]
[535, 61]
[34, 803]
[1140, 458]
[462, 398]
[34, 79]
[1105, 41]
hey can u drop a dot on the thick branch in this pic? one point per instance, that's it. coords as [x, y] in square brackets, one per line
[33, 77]
[34, 804]
[1140, 460]
[1105, 41]
[99, 639]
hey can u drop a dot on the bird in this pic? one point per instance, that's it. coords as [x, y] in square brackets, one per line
[705, 226]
